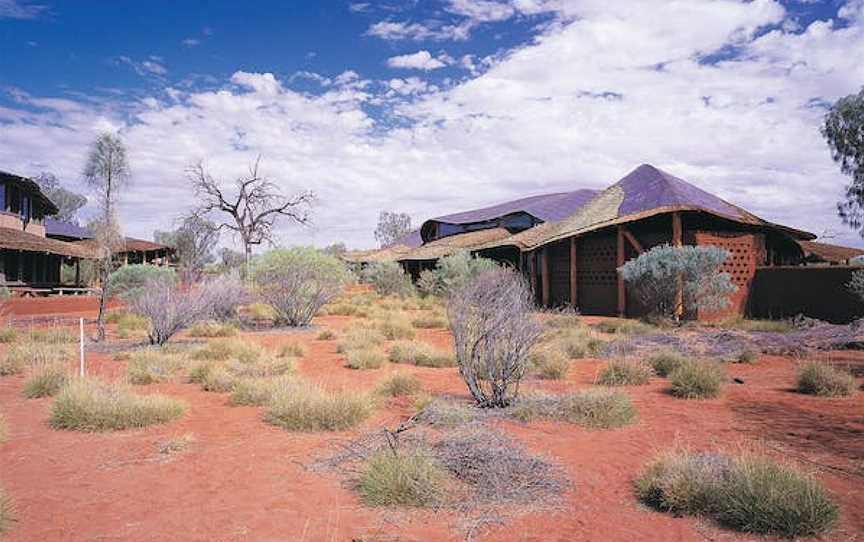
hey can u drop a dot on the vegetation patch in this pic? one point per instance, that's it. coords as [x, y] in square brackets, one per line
[7, 511]
[29, 354]
[745, 493]
[549, 364]
[260, 391]
[623, 372]
[697, 379]
[430, 321]
[397, 327]
[52, 335]
[45, 381]
[580, 343]
[90, 405]
[757, 326]
[817, 378]
[409, 478]
[7, 335]
[442, 412]
[399, 384]
[365, 359]
[624, 327]
[420, 354]
[747, 356]
[211, 329]
[150, 366]
[326, 335]
[292, 350]
[665, 363]
[260, 311]
[359, 338]
[590, 408]
[4, 429]
[309, 408]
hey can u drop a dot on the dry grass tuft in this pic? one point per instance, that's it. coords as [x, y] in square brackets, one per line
[292, 350]
[90, 405]
[549, 363]
[420, 354]
[150, 366]
[665, 363]
[359, 338]
[309, 408]
[212, 330]
[623, 372]
[7, 335]
[365, 359]
[397, 327]
[7, 512]
[581, 342]
[398, 385]
[590, 408]
[260, 311]
[697, 380]
[52, 335]
[625, 327]
[45, 381]
[409, 478]
[430, 321]
[818, 378]
[326, 335]
[28, 354]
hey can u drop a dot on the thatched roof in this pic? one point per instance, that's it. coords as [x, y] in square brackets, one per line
[644, 192]
[455, 243]
[822, 252]
[388, 254]
[32, 188]
[13, 239]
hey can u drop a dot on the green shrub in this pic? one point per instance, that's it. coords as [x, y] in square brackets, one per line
[408, 478]
[399, 384]
[816, 378]
[549, 364]
[748, 494]
[665, 363]
[420, 354]
[365, 359]
[211, 329]
[7, 512]
[46, 381]
[621, 372]
[430, 321]
[298, 282]
[308, 408]
[388, 278]
[90, 405]
[132, 280]
[453, 272]
[7, 335]
[598, 409]
[397, 327]
[697, 380]
[149, 366]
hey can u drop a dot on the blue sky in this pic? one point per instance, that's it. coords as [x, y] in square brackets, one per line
[434, 106]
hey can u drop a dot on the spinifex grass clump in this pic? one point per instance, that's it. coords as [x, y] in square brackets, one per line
[549, 363]
[149, 366]
[33, 354]
[260, 391]
[365, 359]
[309, 408]
[212, 329]
[625, 327]
[697, 380]
[399, 384]
[430, 321]
[90, 405]
[816, 378]
[396, 327]
[580, 342]
[359, 338]
[746, 493]
[292, 350]
[622, 372]
[665, 363]
[45, 381]
[7, 511]
[409, 478]
[420, 354]
[223, 362]
[590, 408]
[52, 335]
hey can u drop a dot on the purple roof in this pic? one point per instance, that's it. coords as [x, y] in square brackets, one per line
[59, 228]
[546, 207]
[647, 187]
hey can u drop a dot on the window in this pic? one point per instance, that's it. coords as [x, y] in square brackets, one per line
[3, 196]
[25, 207]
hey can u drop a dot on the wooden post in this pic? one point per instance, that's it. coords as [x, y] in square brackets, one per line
[532, 273]
[544, 275]
[677, 241]
[574, 294]
[77, 271]
[622, 294]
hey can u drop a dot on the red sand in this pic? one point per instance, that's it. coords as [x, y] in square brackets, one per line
[244, 480]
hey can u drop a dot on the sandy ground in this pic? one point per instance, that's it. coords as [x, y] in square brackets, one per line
[241, 479]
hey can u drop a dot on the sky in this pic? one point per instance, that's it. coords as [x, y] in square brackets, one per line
[430, 107]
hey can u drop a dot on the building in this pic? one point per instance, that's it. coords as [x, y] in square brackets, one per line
[31, 261]
[570, 245]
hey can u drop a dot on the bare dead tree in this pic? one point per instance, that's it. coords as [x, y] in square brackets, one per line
[107, 173]
[254, 205]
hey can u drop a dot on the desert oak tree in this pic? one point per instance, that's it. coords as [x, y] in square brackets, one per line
[391, 226]
[107, 173]
[843, 129]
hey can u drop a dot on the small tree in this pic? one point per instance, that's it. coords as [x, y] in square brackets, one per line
[297, 282]
[130, 281]
[194, 242]
[388, 278]
[227, 293]
[107, 173]
[391, 226]
[657, 274]
[493, 329]
[843, 130]
[68, 202]
[253, 208]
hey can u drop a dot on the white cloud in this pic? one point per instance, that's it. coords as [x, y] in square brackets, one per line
[612, 86]
[191, 42]
[152, 66]
[482, 10]
[398, 31]
[421, 60]
[21, 9]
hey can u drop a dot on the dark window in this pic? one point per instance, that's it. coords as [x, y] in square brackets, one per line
[3, 196]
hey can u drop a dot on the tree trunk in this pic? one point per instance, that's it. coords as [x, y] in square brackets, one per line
[248, 263]
[103, 297]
